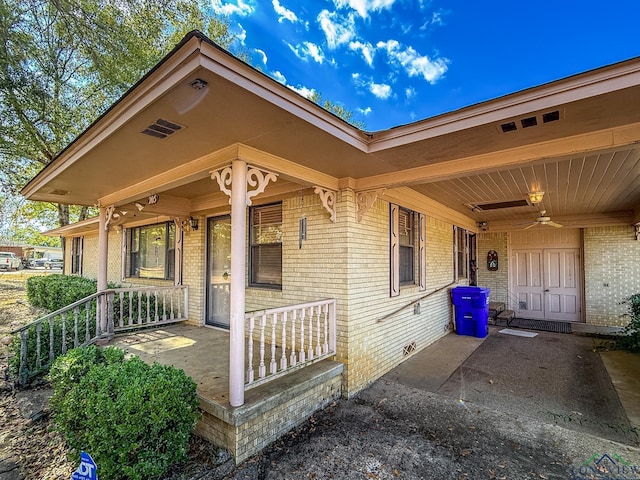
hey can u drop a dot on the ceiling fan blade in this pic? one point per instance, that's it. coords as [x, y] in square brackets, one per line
[554, 224]
[531, 225]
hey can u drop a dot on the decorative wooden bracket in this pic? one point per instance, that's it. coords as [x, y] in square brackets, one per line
[259, 179]
[112, 216]
[365, 200]
[637, 227]
[328, 199]
[255, 178]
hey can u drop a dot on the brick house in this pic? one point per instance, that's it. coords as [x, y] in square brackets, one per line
[211, 175]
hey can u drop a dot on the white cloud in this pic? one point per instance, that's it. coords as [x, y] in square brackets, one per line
[284, 13]
[410, 93]
[413, 63]
[304, 91]
[365, 111]
[277, 75]
[307, 50]
[380, 90]
[240, 35]
[337, 30]
[366, 49]
[262, 54]
[364, 7]
[239, 7]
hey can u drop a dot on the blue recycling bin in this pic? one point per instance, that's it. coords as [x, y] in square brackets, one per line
[471, 305]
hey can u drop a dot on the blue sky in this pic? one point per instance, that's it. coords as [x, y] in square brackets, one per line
[393, 62]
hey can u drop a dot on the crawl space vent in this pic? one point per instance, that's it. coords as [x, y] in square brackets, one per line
[162, 128]
[409, 348]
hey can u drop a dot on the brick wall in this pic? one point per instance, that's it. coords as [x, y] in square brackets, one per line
[375, 343]
[497, 281]
[612, 273]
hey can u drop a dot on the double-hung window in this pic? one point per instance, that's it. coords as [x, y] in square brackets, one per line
[76, 255]
[151, 251]
[265, 246]
[408, 260]
[461, 253]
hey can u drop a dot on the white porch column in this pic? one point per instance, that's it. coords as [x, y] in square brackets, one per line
[238, 265]
[240, 176]
[103, 252]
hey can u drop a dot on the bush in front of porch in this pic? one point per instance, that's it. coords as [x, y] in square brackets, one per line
[630, 338]
[134, 419]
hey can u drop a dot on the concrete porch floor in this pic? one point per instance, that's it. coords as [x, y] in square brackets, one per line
[203, 353]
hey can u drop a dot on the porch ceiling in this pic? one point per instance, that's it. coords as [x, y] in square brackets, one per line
[587, 161]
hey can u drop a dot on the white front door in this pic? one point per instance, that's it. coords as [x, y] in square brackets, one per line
[547, 283]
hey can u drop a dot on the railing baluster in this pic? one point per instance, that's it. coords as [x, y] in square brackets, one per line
[171, 298]
[130, 307]
[310, 346]
[63, 317]
[262, 369]
[98, 315]
[283, 358]
[250, 372]
[303, 355]
[155, 298]
[24, 337]
[325, 345]
[292, 359]
[52, 353]
[164, 307]
[318, 334]
[139, 307]
[273, 367]
[87, 333]
[110, 309]
[38, 336]
[179, 302]
[121, 319]
[148, 315]
[76, 338]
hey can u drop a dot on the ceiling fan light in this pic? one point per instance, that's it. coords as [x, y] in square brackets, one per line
[535, 197]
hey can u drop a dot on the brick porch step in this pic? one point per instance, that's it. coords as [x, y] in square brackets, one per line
[505, 317]
[494, 309]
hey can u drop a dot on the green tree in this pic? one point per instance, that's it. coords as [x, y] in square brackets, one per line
[337, 109]
[62, 62]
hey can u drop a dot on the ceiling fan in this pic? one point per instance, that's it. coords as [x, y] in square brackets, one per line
[541, 220]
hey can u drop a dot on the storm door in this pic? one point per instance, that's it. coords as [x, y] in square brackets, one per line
[218, 271]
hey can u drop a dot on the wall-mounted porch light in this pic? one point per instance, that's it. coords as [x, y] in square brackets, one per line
[198, 84]
[193, 223]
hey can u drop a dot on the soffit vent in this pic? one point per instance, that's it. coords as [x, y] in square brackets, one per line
[499, 205]
[162, 128]
[528, 122]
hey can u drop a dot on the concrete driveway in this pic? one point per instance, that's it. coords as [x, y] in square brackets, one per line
[554, 378]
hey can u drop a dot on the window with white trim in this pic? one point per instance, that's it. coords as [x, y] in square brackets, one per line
[407, 248]
[77, 244]
[265, 246]
[461, 253]
[151, 251]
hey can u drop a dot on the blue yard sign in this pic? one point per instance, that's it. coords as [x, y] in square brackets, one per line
[87, 469]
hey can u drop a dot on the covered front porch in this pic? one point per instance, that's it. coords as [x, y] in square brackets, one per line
[270, 409]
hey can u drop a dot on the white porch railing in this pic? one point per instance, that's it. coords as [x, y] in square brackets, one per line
[97, 316]
[283, 339]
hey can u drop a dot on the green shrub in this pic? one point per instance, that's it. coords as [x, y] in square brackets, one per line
[630, 339]
[53, 292]
[132, 418]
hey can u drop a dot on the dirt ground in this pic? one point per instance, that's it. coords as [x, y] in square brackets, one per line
[388, 431]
